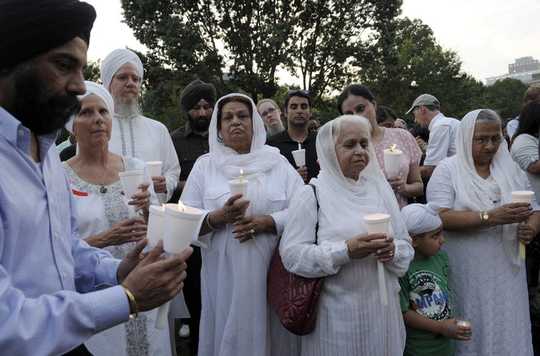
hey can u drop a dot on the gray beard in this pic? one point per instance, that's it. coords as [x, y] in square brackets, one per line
[127, 109]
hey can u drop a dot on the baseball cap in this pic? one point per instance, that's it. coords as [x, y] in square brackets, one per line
[423, 100]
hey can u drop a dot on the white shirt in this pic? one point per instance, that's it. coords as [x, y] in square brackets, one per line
[442, 137]
[147, 140]
[512, 126]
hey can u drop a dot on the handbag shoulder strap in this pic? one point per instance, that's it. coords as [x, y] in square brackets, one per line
[317, 224]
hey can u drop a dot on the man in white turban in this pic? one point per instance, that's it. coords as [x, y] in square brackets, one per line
[133, 134]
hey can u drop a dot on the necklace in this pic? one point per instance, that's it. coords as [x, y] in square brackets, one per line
[103, 189]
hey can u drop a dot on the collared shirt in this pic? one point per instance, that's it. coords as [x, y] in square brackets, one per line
[189, 146]
[512, 126]
[442, 139]
[286, 145]
[43, 263]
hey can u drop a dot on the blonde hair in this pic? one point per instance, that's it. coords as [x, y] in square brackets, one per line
[271, 101]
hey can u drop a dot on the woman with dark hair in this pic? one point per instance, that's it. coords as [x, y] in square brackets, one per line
[240, 232]
[359, 100]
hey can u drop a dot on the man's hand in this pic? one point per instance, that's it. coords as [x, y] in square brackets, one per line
[160, 184]
[155, 279]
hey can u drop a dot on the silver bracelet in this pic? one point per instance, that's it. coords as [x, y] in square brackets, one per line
[208, 223]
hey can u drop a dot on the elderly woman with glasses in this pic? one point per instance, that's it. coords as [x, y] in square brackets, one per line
[240, 232]
[483, 229]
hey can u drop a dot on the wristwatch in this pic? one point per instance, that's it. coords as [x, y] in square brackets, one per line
[484, 216]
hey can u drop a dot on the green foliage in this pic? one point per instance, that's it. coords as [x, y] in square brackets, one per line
[92, 71]
[505, 97]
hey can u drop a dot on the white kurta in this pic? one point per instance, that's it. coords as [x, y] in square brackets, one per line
[487, 290]
[236, 318]
[351, 319]
[147, 140]
[96, 213]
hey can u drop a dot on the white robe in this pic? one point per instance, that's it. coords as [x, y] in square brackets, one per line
[147, 140]
[236, 318]
[95, 215]
[351, 319]
[486, 288]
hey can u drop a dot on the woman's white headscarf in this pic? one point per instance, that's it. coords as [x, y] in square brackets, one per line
[261, 158]
[98, 90]
[472, 190]
[344, 190]
[116, 59]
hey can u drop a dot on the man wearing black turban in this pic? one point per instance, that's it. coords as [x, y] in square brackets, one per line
[197, 102]
[44, 267]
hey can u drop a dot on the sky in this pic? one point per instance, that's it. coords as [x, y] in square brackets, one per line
[486, 34]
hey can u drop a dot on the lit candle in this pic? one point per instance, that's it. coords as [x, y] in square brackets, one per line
[522, 196]
[239, 185]
[379, 224]
[392, 161]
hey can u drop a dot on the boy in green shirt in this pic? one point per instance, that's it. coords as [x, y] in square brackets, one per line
[424, 288]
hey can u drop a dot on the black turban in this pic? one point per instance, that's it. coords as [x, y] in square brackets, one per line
[29, 28]
[194, 92]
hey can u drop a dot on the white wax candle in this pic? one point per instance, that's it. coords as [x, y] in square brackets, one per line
[522, 196]
[379, 224]
[156, 220]
[392, 161]
[299, 146]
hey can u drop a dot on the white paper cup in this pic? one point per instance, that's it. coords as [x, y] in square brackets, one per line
[299, 157]
[522, 196]
[156, 221]
[392, 162]
[377, 223]
[130, 181]
[238, 186]
[181, 227]
[154, 168]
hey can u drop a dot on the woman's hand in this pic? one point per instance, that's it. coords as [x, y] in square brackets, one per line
[232, 211]
[160, 184]
[510, 214]
[141, 199]
[452, 330]
[365, 245]
[526, 233]
[246, 228]
[125, 231]
[399, 184]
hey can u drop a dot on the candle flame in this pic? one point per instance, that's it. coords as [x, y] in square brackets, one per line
[393, 148]
[181, 206]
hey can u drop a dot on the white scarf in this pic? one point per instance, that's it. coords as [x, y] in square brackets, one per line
[341, 193]
[472, 191]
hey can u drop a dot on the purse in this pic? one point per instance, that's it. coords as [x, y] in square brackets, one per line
[294, 298]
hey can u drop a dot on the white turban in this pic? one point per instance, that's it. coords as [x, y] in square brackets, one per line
[116, 59]
[98, 90]
[420, 218]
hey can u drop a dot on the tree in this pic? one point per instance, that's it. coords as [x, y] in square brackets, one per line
[92, 71]
[421, 66]
[506, 97]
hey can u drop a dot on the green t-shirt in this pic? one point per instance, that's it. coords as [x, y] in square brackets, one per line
[424, 289]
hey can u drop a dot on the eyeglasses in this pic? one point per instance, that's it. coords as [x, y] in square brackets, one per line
[495, 140]
[269, 111]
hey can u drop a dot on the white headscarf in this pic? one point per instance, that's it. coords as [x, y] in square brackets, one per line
[261, 158]
[420, 218]
[472, 190]
[116, 59]
[342, 191]
[98, 90]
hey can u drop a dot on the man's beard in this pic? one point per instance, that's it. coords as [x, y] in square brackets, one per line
[36, 107]
[199, 125]
[126, 108]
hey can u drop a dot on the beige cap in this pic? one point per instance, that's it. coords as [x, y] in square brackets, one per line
[422, 100]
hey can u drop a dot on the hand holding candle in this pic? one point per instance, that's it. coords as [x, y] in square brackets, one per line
[182, 226]
[239, 185]
[379, 224]
[299, 156]
[392, 161]
[522, 196]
